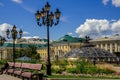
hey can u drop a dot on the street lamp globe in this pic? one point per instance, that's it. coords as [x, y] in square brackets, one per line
[14, 36]
[48, 19]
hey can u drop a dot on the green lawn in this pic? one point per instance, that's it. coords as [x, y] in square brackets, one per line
[97, 77]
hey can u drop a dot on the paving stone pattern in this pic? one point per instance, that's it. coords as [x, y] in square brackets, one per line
[8, 77]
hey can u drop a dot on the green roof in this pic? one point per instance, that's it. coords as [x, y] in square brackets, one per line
[22, 45]
[44, 40]
[42, 46]
[68, 38]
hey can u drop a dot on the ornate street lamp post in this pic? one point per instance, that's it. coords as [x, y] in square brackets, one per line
[14, 36]
[48, 19]
[2, 40]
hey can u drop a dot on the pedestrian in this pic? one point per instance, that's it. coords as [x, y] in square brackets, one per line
[6, 65]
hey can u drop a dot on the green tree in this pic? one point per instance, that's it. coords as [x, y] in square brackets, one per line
[31, 52]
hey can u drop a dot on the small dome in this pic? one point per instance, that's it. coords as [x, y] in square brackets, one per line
[89, 52]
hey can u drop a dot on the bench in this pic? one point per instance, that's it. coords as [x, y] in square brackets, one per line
[25, 70]
[13, 67]
[32, 71]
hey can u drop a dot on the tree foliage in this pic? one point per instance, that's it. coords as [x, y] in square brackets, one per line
[31, 52]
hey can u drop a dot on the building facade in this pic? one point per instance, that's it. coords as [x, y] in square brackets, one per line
[60, 47]
[111, 44]
[6, 50]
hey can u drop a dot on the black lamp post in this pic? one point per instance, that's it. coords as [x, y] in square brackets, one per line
[2, 40]
[14, 34]
[48, 19]
[21, 50]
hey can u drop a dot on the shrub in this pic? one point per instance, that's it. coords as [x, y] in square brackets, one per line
[78, 67]
[106, 71]
[71, 68]
[56, 69]
[1, 62]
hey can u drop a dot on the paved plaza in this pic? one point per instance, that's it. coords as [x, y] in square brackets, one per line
[8, 77]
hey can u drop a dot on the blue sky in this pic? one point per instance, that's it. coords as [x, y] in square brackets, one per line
[96, 18]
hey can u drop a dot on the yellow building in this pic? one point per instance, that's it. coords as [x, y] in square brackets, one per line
[111, 44]
[42, 50]
[60, 47]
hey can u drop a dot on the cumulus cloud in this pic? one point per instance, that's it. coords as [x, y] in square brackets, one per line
[116, 27]
[98, 28]
[105, 2]
[4, 27]
[116, 3]
[17, 1]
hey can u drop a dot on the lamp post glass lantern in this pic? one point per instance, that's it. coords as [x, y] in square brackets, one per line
[47, 18]
[14, 36]
[2, 40]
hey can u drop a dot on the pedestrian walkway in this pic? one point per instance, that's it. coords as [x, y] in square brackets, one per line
[8, 77]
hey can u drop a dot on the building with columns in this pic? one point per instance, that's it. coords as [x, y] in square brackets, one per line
[60, 47]
[111, 43]
[6, 50]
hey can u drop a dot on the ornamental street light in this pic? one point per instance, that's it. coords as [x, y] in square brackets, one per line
[47, 18]
[14, 36]
[2, 40]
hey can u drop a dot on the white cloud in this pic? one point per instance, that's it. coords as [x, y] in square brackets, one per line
[98, 28]
[116, 3]
[30, 37]
[27, 8]
[116, 27]
[36, 37]
[105, 2]
[4, 27]
[17, 1]
[93, 27]
[69, 33]
[25, 32]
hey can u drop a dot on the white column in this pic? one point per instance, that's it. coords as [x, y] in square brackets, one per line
[101, 46]
[116, 47]
[111, 48]
[106, 46]
[97, 45]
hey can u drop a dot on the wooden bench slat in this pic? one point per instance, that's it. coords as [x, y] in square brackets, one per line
[18, 65]
[26, 74]
[36, 66]
[23, 69]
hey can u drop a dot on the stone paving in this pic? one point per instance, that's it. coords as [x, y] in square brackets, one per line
[8, 77]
